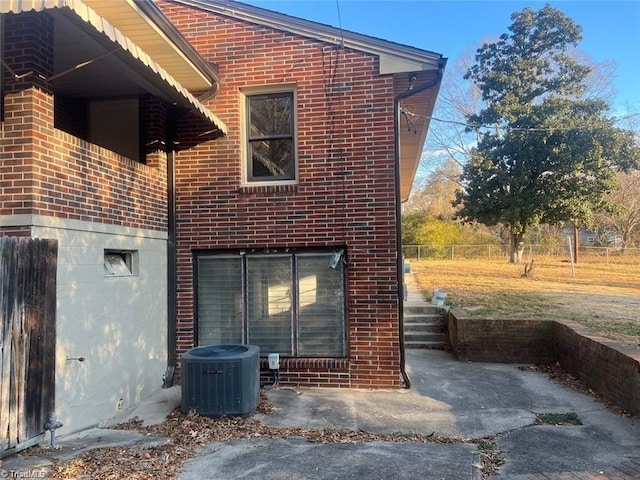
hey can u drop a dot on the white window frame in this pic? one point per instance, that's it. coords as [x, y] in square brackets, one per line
[245, 93]
[120, 263]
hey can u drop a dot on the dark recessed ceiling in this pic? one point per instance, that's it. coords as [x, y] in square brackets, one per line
[112, 71]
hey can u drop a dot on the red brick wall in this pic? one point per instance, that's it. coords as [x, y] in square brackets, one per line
[345, 195]
[28, 49]
[45, 171]
[500, 340]
[609, 368]
[48, 172]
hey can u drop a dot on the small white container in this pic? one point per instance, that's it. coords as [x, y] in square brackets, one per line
[439, 297]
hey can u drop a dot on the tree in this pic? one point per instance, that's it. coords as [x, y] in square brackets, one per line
[412, 222]
[428, 216]
[625, 220]
[622, 223]
[448, 138]
[546, 151]
[435, 196]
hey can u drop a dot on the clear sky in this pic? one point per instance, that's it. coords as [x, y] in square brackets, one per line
[611, 29]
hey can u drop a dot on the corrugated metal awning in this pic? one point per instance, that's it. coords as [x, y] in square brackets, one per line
[101, 25]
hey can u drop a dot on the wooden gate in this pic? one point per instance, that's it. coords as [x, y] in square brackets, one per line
[27, 340]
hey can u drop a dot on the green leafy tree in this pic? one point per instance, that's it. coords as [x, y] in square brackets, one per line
[412, 222]
[439, 232]
[428, 216]
[551, 154]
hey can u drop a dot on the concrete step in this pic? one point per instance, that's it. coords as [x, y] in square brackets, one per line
[431, 327]
[423, 308]
[420, 337]
[425, 326]
[439, 345]
[423, 318]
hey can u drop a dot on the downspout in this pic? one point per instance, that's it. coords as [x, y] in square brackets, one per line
[400, 262]
[167, 378]
[210, 72]
[172, 265]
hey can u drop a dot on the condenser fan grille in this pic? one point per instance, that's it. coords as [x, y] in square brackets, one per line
[220, 380]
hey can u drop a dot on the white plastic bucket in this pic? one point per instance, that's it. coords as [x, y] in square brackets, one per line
[439, 297]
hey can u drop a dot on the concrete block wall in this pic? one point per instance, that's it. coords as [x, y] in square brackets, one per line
[117, 325]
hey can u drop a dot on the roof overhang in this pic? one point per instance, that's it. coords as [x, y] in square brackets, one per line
[402, 62]
[144, 24]
[414, 118]
[95, 59]
[394, 57]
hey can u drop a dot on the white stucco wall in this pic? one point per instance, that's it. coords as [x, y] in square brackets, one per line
[117, 324]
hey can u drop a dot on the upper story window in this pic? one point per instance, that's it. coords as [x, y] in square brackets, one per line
[270, 137]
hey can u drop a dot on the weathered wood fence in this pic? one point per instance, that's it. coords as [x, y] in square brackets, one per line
[27, 340]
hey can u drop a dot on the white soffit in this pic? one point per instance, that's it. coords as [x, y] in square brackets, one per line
[127, 17]
[103, 26]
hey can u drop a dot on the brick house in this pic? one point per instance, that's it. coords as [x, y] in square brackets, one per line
[85, 116]
[287, 228]
[273, 221]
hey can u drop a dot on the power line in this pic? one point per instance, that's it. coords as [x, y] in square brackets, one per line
[408, 114]
[339, 16]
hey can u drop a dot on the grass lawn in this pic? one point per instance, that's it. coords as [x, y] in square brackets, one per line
[603, 296]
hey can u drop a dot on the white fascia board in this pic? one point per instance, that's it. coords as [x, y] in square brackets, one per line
[395, 57]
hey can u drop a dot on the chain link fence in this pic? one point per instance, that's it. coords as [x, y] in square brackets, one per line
[489, 252]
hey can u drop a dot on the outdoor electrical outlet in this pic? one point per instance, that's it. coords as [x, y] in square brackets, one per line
[274, 361]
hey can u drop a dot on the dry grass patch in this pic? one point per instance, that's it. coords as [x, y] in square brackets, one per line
[602, 296]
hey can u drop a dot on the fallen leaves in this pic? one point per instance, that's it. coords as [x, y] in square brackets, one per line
[491, 456]
[557, 373]
[185, 433]
[111, 463]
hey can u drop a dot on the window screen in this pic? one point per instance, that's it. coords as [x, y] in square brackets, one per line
[320, 307]
[220, 306]
[269, 303]
[292, 304]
